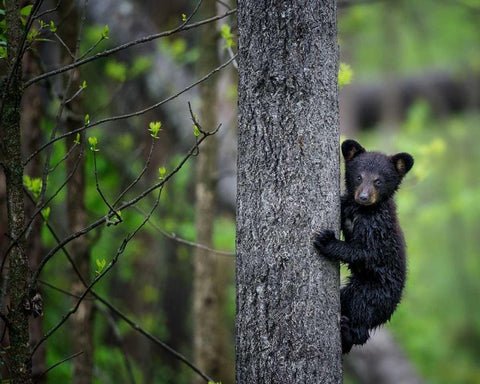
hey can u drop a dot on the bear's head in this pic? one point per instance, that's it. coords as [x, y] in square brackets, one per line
[372, 177]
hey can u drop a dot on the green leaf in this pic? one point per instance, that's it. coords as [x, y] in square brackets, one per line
[140, 65]
[155, 128]
[226, 33]
[116, 70]
[196, 131]
[87, 119]
[33, 185]
[93, 141]
[53, 27]
[105, 32]
[77, 139]
[345, 75]
[101, 264]
[84, 84]
[25, 11]
[162, 172]
[46, 213]
[184, 17]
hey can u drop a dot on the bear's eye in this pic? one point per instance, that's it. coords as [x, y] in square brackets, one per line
[359, 178]
[378, 182]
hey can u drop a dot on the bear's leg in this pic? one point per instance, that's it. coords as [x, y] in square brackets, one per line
[346, 333]
[352, 335]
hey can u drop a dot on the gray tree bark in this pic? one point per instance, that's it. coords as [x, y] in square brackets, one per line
[287, 326]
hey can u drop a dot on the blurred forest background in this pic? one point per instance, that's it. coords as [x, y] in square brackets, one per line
[414, 87]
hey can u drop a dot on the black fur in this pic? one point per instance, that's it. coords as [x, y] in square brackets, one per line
[374, 247]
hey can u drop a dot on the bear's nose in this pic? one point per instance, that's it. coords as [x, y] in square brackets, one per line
[363, 197]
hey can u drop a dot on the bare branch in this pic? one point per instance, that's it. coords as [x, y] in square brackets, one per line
[128, 115]
[59, 363]
[183, 27]
[174, 237]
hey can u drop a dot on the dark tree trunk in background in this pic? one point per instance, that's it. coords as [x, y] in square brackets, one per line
[82, 319]
[207, 296]
[30, 125]
[287, 326]
[18, 355]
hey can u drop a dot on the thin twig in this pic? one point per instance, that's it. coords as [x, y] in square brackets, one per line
[99, 276]
[153, 338]
[125, 318]
[97, 186]
[64, 46]
[92, 47]
[46, 12]
[59, 363]
[125, 46]
[118, 337]
[174, 237]
[137, 179]
[51, 286]
[37, 211]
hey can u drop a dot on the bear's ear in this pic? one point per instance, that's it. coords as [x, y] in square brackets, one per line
[403, 162]
[350, 149]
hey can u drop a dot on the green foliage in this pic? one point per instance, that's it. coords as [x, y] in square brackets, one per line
[155, 128]
[140, 65]
[179, 51]
[196, 130]
[410, 37]
[105, 32]
[33, 185]
[116, 70]
[345, 75]
[93, 141]
[161, 172]
[101, 264]
[3, 35]
[53, 27]
[46, 213]
[437, 321]
[226, 33]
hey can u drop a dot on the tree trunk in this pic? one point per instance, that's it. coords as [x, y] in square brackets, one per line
[19, 352]
[82, 319]
[30, 124]
[287, 326]
[207, 296]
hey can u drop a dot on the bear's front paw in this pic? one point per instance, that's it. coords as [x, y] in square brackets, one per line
[323, 238]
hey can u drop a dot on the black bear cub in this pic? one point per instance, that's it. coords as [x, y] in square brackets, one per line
[374, 247]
